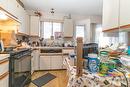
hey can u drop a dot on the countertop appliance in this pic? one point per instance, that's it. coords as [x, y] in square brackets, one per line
[20, 67]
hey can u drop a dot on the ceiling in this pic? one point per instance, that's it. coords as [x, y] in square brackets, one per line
[78, 7]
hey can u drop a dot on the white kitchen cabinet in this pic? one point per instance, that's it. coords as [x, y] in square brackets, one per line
[110, 14]
[4, 82]
[3, 4]
[4, 71]
[27, 22]
[68, 28]
[13, 7]
[51, 62]
[4, 67]
[34, 25]
[35, 61]
[45, 62]
[124, 12]
[56, 62]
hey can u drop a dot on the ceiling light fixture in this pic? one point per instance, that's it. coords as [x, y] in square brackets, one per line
[52, 11]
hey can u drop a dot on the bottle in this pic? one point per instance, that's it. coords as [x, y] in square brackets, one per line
[93, 63]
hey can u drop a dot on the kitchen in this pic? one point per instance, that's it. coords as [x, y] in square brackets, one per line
[64, 43]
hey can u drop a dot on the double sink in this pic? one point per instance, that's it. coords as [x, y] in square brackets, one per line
[51, 51]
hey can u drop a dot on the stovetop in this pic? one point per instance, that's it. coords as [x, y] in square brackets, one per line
[16, 51]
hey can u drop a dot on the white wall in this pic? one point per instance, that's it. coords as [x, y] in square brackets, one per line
[78, 20]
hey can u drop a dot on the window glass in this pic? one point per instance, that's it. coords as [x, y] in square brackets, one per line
[80, 31]
[49, 29]
[56, 28]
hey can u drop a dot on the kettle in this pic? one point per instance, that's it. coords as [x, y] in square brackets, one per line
[1, 46]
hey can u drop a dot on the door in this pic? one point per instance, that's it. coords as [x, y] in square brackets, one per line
[45, 62]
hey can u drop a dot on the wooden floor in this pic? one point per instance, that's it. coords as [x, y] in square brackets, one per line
[60, 80]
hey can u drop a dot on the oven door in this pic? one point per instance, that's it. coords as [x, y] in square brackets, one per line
[22, 71]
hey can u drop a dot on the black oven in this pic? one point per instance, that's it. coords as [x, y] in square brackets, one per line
[20, 68]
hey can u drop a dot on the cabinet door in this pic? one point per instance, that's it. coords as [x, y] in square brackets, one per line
[4, 67]
[35, 55]
[26, 23]
[4, 82]
[21, 17]
[12, 7]
[56, 62]
[34, 25]
[110, 14]
[45, 62]
[124, 12]
[68, 28]
[3, 4]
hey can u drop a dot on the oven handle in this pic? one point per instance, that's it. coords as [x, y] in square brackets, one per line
[20, 56]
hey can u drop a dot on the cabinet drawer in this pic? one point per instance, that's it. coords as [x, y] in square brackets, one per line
[4, 82]
[67, 51]
[4, 67]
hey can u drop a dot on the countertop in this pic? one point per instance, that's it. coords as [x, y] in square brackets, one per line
[52, 47]
[4, 56]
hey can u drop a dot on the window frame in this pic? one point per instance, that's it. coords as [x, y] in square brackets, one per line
[84, 31]
[52, 26]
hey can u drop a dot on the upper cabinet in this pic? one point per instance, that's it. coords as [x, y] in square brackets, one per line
[116, 15]
[13, 7]
[3, 4]
[18, 12]
[110, 14]
[68, 28]
[34, 25]
[125, 13]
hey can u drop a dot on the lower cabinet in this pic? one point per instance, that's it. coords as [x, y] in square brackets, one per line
[56, 62]
[4, 73]
[35, 61]
[4, 82]
[50, 62]
[45, 62]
